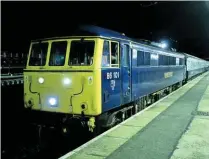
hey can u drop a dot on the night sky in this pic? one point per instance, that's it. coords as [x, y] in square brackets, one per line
[186, 22]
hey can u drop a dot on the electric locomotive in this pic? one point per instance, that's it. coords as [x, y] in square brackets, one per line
[98, 77]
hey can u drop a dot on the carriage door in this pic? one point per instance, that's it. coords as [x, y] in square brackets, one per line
[126, 73]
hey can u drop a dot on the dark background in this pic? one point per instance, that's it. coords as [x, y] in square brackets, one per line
[185, 22]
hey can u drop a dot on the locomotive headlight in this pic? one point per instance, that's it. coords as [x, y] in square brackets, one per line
[67, 81]
[41, 80]
[52, 101]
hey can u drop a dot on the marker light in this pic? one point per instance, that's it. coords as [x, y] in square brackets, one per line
[52, 101]
[41, 80]
[67, 81]
[163, 45]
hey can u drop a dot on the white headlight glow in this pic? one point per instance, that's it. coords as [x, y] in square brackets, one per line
[52, 101]
[41, 80]
[67, 81]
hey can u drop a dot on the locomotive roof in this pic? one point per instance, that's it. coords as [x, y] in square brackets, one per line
[98, 31]
[95, 31]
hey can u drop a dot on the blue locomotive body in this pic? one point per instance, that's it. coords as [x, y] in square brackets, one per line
[142, 70]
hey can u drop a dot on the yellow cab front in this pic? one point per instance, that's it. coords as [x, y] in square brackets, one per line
[64, 76]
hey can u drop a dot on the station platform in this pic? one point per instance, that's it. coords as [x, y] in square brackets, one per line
[175, 127]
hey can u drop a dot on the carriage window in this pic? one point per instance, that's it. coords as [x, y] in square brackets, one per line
[160, 60]
[81, 53]
[114, 53]
[177, 61]
[154, 59]
[58, 53]
[173, 61]
[38, 54]
[169, 60]
[166, 60]
[181, 62]
[126, 55]
[146, 58]
[140, 60]
[106, 54]
[134, 55]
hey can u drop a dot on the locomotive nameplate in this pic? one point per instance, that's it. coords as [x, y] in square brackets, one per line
[112, 75]
[168, 74]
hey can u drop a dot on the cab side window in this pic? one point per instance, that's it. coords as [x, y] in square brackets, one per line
[110, 55]
[106, 54]
[114, 53]
[126, 55]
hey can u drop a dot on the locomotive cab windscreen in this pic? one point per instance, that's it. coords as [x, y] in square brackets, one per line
[81, 53]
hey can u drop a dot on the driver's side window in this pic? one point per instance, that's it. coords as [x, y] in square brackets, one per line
[110, 55]
[114, 53]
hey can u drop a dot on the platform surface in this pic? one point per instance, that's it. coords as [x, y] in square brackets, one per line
[175, 127]
[194, 144]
